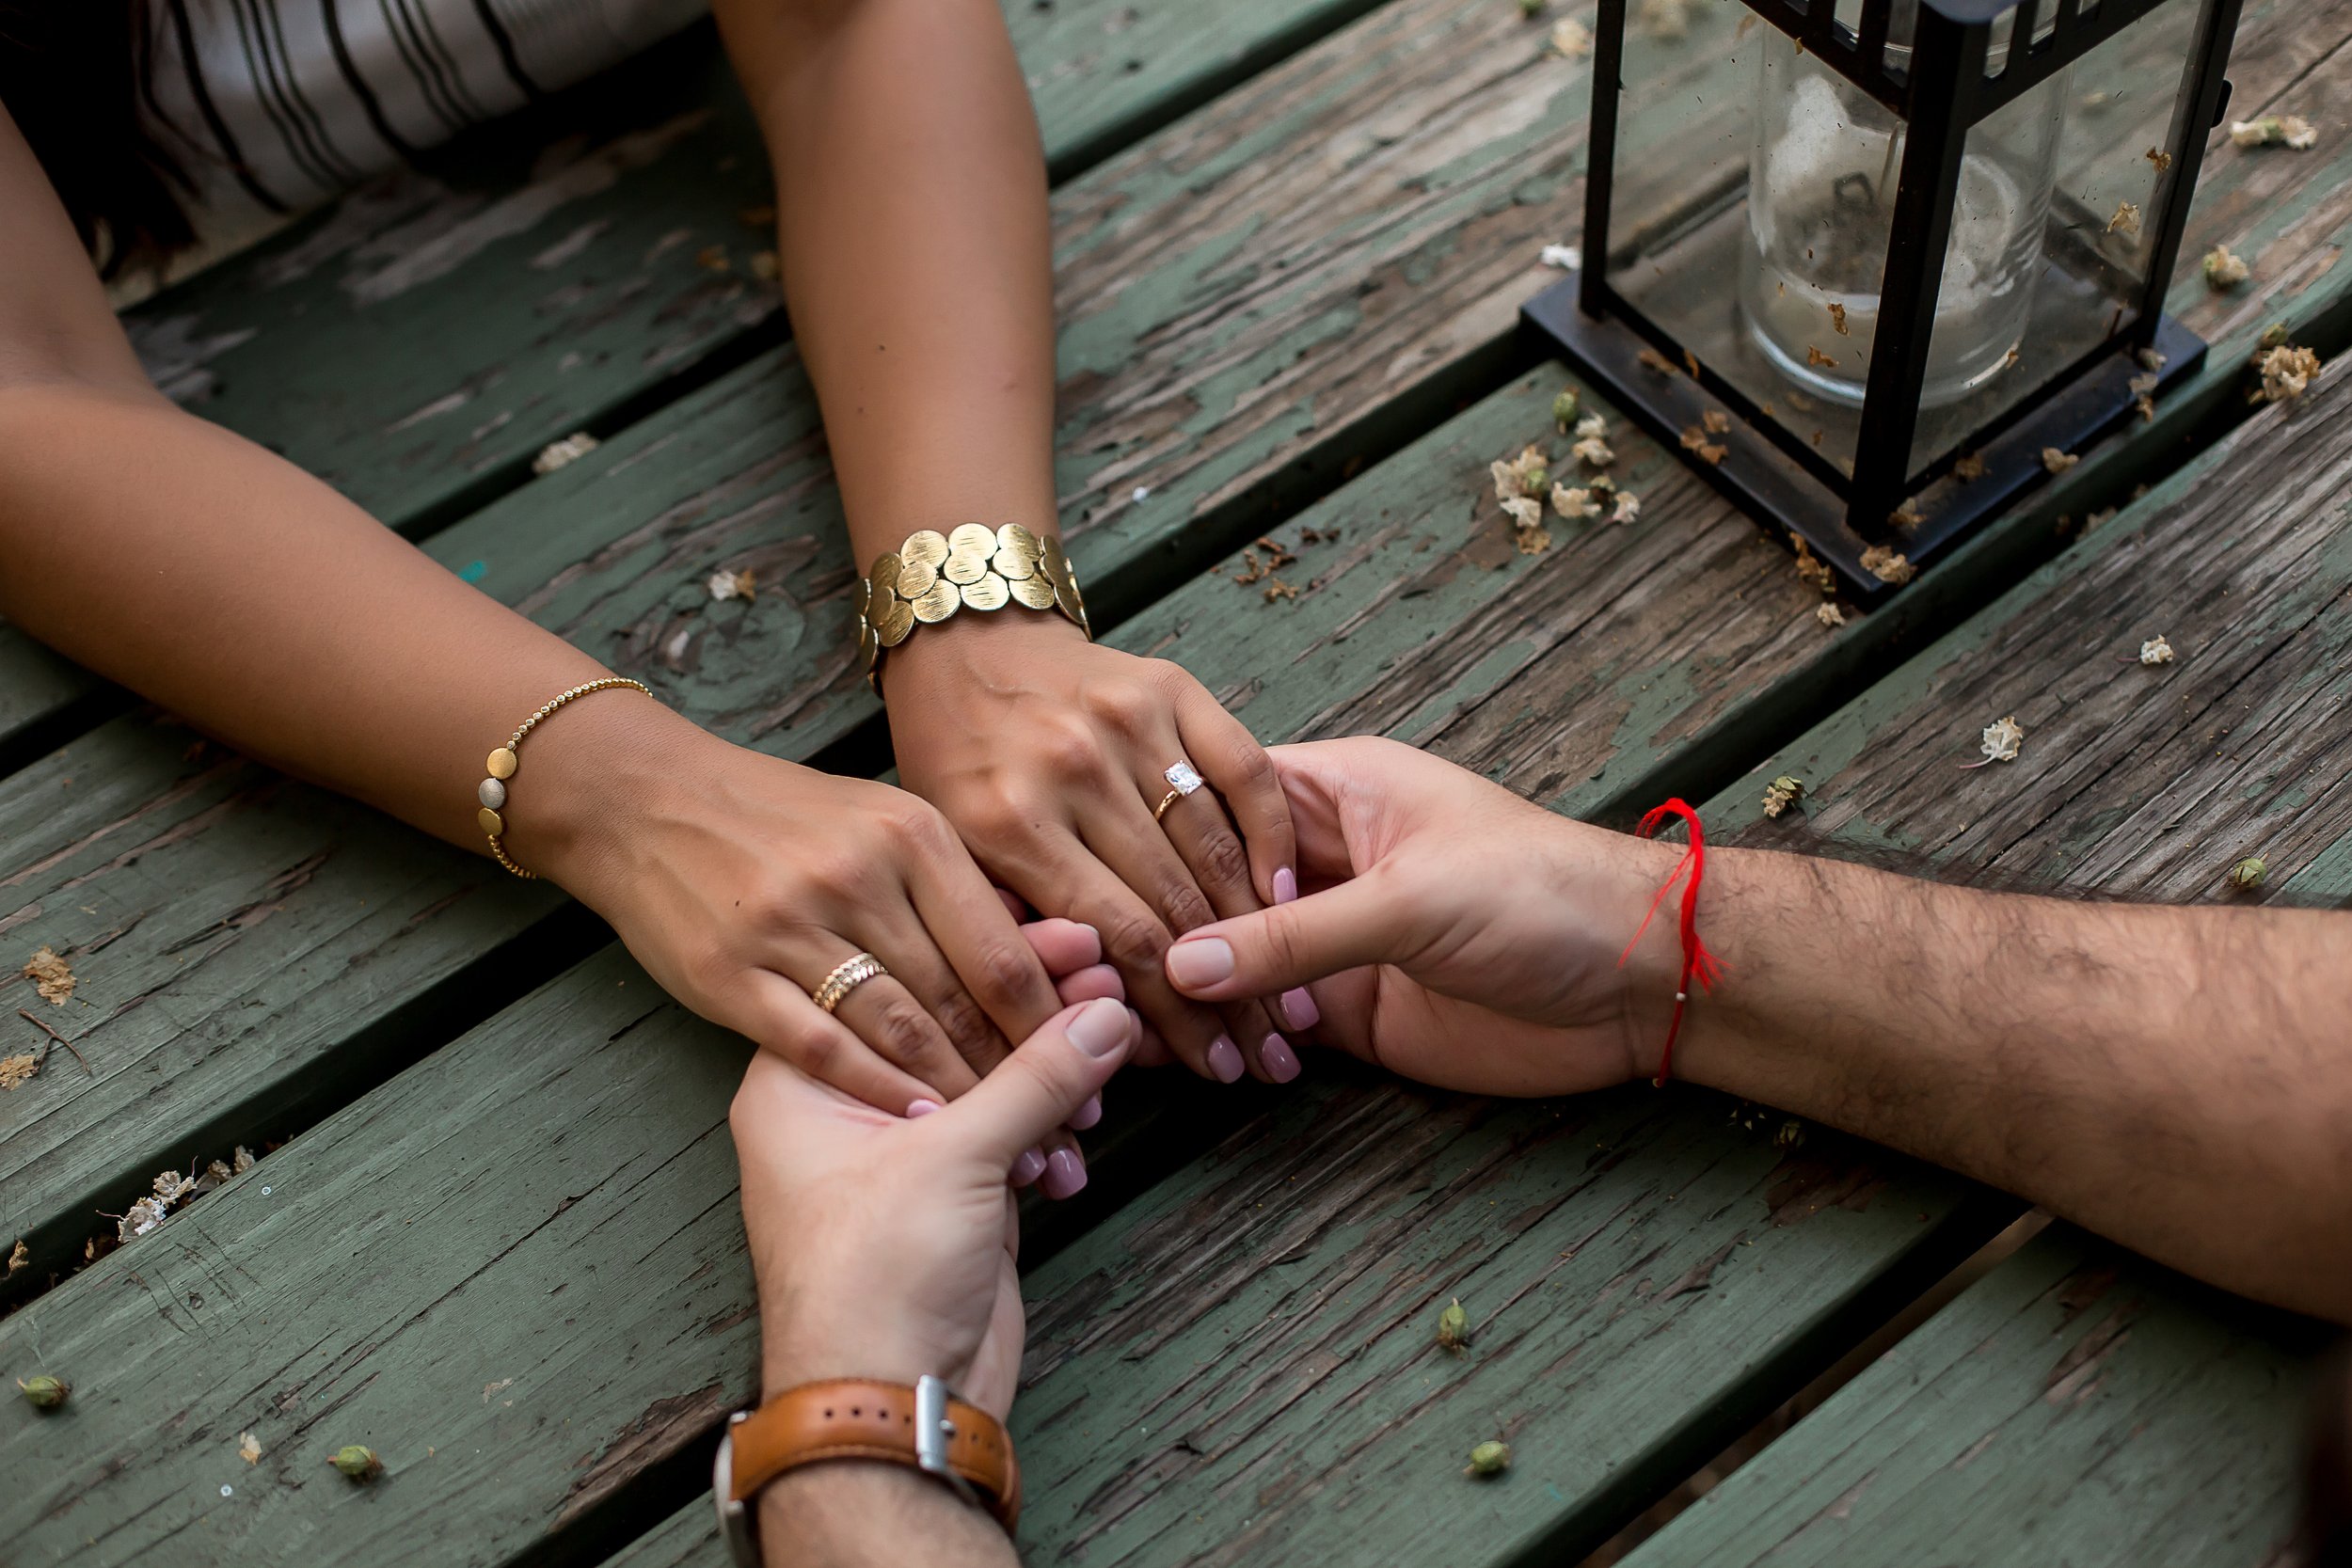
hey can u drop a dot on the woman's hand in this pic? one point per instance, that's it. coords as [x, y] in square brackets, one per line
[1452, 931]
[885, 1248]
[1048, 753]
[740, 881]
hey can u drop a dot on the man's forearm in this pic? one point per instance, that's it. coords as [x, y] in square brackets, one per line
[847, 1514]
[2177, 1079]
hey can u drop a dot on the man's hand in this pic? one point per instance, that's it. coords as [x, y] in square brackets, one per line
[884, 1246]
[1451, 931]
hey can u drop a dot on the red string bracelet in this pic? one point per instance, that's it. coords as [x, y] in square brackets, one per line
[1698, 962]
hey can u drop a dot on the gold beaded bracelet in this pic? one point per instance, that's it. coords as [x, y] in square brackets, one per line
[933, 574]
[492, 790]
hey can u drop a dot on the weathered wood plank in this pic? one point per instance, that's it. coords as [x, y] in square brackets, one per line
[2076, 1405]
[416, 344]
[2132, 782]
[687, 1538]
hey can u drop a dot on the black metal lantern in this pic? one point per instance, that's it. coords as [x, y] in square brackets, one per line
[1870, 260]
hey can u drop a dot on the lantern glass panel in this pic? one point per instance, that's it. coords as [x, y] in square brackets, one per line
[1752, 206]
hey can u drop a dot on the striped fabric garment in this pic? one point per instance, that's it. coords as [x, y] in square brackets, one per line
[295, 101]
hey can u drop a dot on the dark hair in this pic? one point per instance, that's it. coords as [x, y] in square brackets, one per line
[78, 79]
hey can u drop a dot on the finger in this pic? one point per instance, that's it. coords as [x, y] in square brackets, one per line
[1323, 933]
[1043, 1082]
[1151, 1050]
[900, 1013]
[1013, 906]
[1135, 942]
[1090, 983]
[996, 967]
[1229, 758]
[1063, 946]
[778, 1017]
[1203, 836]
[1121, 832]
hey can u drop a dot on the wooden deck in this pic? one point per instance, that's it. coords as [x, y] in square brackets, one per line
[494, 1235]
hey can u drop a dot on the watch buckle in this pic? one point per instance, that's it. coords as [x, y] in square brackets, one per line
[934, 1432]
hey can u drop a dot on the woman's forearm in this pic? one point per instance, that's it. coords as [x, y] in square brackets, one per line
[245, 596]
[2176, 1079]
[915, 250]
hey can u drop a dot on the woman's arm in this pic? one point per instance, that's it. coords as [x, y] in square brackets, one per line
[236, 591]
[2175, 1077]
[916, 259]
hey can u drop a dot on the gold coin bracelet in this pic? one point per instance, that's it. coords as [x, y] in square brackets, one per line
[502, 763]
[973, 566]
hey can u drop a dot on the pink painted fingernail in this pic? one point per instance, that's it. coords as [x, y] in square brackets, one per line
[1281, 1064]
[1065, 1173]
[1100, 1027]
[1028, 1168]
[920, 1108]
[1086, 1115]
[1225, 1060]
[1198, 962]
[1300, 1009]
[1285, 885]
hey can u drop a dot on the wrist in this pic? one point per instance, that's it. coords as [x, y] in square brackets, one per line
[592, 777]
[796, 1348]
[988, 649]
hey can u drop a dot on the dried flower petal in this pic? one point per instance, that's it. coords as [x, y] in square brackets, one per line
[1783, 792]
[1567, 257]
[1628, 507]
[18, 1070]
[2002, 738]
[725, 585]
[19, 1258]
[1571, 39]
[242, 1161]
[1593, 452]
[556, 454]
[1830, 615]
[2287, 371]
[2058, 461]
[2224, 269]
[2156, 650]
[1574, 502]
[50, 975]
[1837, 320]
[1967, 468]
[1889, 565]
[1814, 356]
[1811, 568]
[2126, 218]
[2291, 132]
[250, 1449]
[2159, 157]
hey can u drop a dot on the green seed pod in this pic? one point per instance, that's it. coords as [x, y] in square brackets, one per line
[2275, 335]
[2248, 873]
[1537, 481]
[1489, 1459]
[357, 1461]
[1532, 8]
[44, 1392]
[1454, 1326]
[1564, 409]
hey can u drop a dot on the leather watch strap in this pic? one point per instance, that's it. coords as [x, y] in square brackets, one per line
[862, 1419]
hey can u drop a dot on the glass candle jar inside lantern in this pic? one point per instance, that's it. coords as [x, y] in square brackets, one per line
[1820, 210]
[1862, 262]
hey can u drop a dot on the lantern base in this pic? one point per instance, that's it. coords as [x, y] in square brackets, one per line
[1781, 495]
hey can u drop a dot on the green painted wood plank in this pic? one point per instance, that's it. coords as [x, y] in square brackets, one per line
[687, 1538]
[418, 342]
[2076, 1405]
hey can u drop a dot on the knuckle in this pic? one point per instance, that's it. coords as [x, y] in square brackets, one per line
[1134, 941]
[965, 1024]
[915, 826]
[1122, 706]
[1003, 974]
[1185, 908]
[1070, 751]
[1224, 862]
[815, 1051]
[902, 1033]
[1252, 769]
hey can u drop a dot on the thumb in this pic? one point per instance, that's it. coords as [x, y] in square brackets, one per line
[1043, 1083]
[1276, 950]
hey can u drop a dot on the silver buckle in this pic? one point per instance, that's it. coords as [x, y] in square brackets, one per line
[735, 1520]
[934, 1430]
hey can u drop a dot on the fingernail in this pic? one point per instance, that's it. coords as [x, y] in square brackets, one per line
[920, 1108]
[1100, 1027]
[1201, 961]
[1285, 885]
[1225, 1058]
[1280, 1064]
[1086, 1115]
[1300, 1009]
[1065, 1173]
[1028, 1168]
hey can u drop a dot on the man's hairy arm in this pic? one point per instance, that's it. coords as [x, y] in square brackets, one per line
[2177, 1079]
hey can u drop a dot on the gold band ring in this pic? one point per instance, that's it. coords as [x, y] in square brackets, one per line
[1184, 780]
[850, 973]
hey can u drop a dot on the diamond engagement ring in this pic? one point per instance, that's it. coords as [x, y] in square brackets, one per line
[1184, 779]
